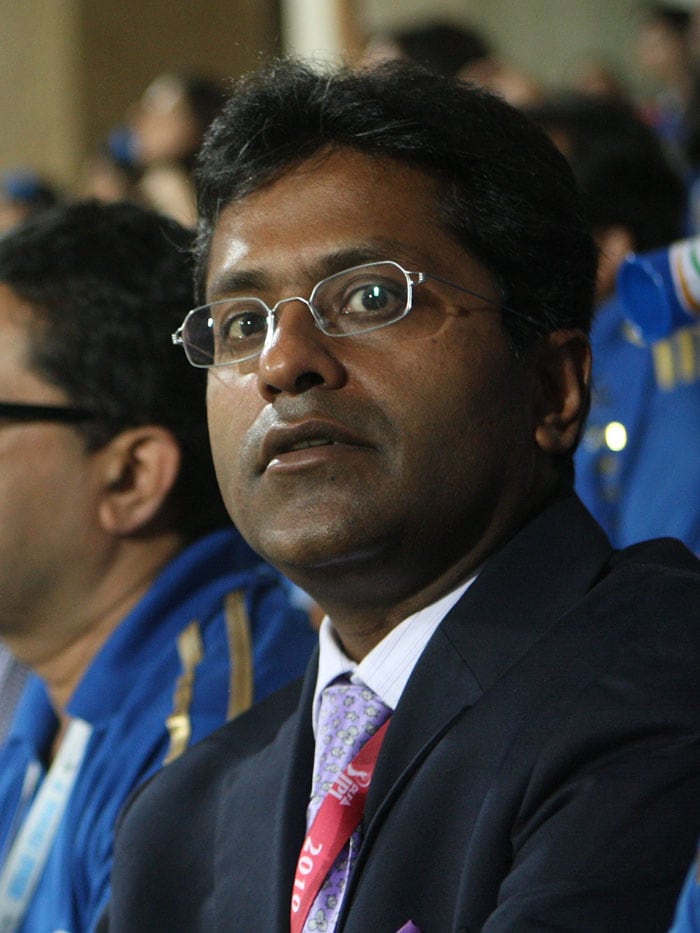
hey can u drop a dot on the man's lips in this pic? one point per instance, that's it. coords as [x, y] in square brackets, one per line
[304, 435]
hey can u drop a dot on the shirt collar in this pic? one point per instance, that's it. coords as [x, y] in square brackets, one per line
[387, 667]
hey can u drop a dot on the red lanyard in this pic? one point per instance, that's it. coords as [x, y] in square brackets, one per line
[338, 817]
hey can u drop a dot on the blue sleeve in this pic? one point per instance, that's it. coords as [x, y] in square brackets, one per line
[283, 638]
[661, 495]
[687, 919]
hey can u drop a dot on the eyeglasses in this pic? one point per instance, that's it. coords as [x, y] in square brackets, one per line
[26, 411]
[355, 301]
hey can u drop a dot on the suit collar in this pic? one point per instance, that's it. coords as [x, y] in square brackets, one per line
[526, 587]
[275, 783]
[520, 593]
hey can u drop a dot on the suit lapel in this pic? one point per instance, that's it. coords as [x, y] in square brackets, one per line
[521, 593]
[265, 805]
[423, 715]
[525, 589]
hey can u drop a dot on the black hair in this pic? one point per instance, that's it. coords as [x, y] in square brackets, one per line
[506, 194]
[622, 169]
[107, 285]
[674, 17]
[442, 46]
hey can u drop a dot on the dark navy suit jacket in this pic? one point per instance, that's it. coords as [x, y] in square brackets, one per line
[541, 771]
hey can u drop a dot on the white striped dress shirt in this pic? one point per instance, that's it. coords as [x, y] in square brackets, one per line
[387, 667]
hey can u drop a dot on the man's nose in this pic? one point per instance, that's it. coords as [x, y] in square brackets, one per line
[296, 355]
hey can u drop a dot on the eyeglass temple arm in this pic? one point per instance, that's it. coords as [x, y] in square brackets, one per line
[28, 411]
[424, 276]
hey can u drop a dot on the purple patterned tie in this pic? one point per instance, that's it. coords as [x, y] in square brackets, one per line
[349, 715]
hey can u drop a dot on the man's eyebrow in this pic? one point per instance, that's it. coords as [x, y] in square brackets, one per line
[234, 282]
[339, 260]
[237, 282]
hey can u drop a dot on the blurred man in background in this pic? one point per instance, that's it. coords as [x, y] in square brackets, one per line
[144, 616]
[638, 465]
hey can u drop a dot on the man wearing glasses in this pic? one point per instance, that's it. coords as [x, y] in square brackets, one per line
[146, 618]
[499, 731]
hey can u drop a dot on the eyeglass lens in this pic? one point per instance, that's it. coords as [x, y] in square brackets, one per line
[351, 302]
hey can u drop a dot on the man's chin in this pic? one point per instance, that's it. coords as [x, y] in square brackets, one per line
[307, 556]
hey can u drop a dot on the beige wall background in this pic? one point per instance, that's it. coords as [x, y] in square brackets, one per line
[545, 36]
[40, 87]
[70, 68]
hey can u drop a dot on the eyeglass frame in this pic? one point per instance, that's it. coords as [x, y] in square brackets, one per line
[30, 411]
[420, 279]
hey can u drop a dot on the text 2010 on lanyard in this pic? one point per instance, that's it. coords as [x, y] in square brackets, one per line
[338, 817]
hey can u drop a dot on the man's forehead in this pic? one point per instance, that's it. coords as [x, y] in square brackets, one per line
[333, 172]
[238, 271]
[325, 215]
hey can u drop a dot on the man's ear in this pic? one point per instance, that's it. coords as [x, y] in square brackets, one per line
[563, 365]
[140, 468]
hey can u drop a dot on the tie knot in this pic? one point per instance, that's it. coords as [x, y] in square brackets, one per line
[349, 715]
[348, 710]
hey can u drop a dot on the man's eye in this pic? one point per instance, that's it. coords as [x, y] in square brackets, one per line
[371, 298]
[242, 325]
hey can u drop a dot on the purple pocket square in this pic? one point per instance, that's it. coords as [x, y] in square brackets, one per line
[409, 927]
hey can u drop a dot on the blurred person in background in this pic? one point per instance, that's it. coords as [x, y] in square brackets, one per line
[638, 465]
[145, 618]
[109, 173]
[12, 679]
[455, 51]
[24, 192]
[664, 56]
[440, 45]
[597, 77]
[167, 124]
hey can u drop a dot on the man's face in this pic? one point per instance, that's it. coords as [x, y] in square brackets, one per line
[45, 487]
[383, 459]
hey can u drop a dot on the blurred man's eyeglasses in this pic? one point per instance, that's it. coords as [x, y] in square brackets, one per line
[28, 411]
[355, 301]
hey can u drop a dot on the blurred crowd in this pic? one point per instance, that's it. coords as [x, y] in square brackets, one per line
[147, 158]
[636, 159]
[149, 154]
